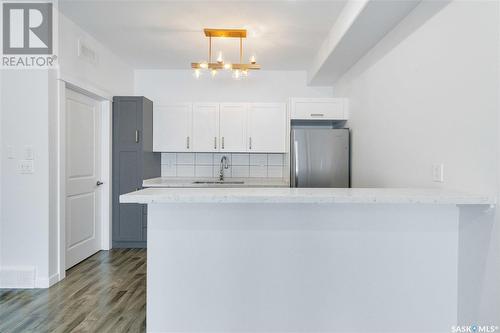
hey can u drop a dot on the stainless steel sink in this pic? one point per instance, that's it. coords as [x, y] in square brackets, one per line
[217, 182]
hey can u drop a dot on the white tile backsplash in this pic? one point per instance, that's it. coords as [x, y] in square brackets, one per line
[185, 158]
[227, 172]
[203, 170]
[218, 157]
[240, 159]
[168, 170]
[258, 159]
[185, 170]
[275, 159]
[258, 171]
[241, 171]
[203, 165]
[169, 159]
[204, 158]
[275, 171]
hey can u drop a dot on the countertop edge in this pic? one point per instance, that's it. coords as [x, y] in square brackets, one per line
[155, 196]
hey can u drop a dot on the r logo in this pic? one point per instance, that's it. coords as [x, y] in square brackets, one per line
[27, 28]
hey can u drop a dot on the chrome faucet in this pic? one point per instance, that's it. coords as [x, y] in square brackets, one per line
[223, 165]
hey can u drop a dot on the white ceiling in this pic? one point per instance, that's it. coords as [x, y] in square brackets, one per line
[284, 35]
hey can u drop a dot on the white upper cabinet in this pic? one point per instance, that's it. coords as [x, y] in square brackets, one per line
[267, 127]
[172, 128]
[319, 108]
[206, 127]
[226, 127]
[233, 127]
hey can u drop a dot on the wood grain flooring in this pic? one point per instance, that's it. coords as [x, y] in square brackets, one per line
[104, 293]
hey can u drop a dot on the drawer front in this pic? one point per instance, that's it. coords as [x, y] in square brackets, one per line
[330, 109]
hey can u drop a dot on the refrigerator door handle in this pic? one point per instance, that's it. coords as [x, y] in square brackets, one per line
[296, 163]
[292, 165]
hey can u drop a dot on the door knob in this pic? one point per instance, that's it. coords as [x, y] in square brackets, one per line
[99, 183]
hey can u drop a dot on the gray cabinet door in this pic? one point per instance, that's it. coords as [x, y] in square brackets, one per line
[151, 161]
[127, 170]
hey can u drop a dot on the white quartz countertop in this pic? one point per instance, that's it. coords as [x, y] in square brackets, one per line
[304, 195]
[190, 182]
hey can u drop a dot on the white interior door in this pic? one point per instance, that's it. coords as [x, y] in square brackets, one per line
[83, 208]
[206, 127]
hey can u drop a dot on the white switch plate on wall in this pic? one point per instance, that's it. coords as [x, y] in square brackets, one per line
[10, 152]
[28, 153]
[438, 173]
[26, 166]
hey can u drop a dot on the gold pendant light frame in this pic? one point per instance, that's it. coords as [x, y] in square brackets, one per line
[220, 65]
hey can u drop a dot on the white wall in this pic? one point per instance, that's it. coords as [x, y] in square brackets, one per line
[166, 86]
[25, 224]
[431, 99]
[109, 74]
[29, 113]
[428, 93]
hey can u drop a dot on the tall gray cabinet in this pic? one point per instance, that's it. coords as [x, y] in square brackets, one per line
[133, 161]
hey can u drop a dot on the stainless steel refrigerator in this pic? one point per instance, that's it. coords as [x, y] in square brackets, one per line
[319, 157]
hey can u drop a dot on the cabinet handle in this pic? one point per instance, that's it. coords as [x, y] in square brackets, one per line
[222, 143]
[250, 143]
[215, 142]
[317, 114]
[136, 136]
[187, 142]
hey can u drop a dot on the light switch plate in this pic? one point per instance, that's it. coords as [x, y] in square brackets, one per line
[26, 166]
[438, 173]
[10, 152]
[28, 153]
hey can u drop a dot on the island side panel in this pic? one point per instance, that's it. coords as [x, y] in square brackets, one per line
[301, 267]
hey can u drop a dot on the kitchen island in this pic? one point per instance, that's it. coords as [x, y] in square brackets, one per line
[302, 260]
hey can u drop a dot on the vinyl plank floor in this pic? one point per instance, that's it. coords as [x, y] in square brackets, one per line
[104, 293]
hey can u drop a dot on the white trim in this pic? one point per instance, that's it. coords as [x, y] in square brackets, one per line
[47, 282]
[17, 277]
[61, 179]
[106, 165]
[106, 130]
[53, 279]
[85, 88]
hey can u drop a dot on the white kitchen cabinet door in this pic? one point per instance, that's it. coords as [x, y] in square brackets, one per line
[233, 127]
[319, 108]
[172, 128]
[267, 128]
[206, 127]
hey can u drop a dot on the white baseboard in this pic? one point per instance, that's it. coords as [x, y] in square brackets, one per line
[24, 277]
[43, 282]
[54, 279]
[17, 277]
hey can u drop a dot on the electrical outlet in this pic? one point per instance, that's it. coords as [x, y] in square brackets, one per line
[26, 166]
[438, 173]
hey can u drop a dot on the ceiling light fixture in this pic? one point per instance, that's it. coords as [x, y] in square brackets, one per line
[239, 70]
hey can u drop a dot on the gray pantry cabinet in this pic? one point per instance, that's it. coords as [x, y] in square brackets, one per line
[133, 161]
